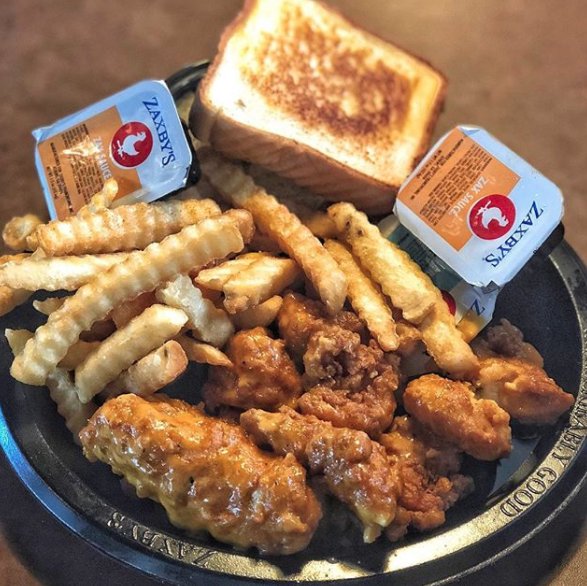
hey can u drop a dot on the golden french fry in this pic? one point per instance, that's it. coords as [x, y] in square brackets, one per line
[75, 355]
[61, 388]
[275, 220]
[366, 298]
[194, 246]
[258, 282]
[17, 230]
[123, 348]
[216, 277]
[399, 277]
[207, 322]
[151, 373]
[203, 353]
[12, 298]
[64, 393]
[259, 316]
[49, 305]
[127, 227]
[66, 273]
[124, 312]
[17, 339]
[445, 343]
[103, 199]
[321, 225]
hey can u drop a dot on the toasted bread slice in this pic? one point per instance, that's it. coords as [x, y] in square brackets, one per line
[299, 89]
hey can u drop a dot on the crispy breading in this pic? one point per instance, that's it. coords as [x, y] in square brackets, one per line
[450, 410]
[356, 469]
[263, 375]
[428, 468]
[522, 389]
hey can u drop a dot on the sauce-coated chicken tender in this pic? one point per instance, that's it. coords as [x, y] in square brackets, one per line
[263, 376]
[205, 472]
[356, 469]
[428, 469]
[524, 390]
[450, 410]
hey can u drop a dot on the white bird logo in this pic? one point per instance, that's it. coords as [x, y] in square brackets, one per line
[127, 147]
[489, 213]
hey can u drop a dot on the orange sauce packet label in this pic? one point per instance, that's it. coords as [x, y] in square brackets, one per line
[135, 137]
[76, 163]
[479, 207]
[455, 177]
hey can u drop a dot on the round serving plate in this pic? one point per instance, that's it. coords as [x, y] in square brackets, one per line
[514, 501]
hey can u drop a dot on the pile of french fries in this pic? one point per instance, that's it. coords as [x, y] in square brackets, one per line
[151, 287]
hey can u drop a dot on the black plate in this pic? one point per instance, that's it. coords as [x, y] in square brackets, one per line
[514, 500]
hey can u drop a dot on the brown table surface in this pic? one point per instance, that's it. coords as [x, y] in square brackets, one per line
[517, 68]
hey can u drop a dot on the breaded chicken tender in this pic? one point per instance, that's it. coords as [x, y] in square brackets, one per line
[300, 317]
[450, 410]
[428, 468]
[355, 468]
[354, 385]
[205, 472]
[506, 340]
[522, 389]
[349, 381]
[263, 376]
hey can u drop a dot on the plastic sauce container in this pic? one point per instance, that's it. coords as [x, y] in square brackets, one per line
[472, 214]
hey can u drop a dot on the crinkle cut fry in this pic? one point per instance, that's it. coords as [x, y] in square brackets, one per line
[151, 373]
[140, 336]
[17, 230]
[216, 277]
[12, 298]
[400, 278]
[445, 343]
[60, 273]
[103, 199]
[61, 388]
[194, 246]
[366, 298]
[127, 227]
[276, 221]
[207, 322]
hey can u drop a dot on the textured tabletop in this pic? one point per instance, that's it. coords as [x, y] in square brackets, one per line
[517, 68]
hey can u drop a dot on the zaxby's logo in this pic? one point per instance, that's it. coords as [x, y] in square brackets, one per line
[131, 145]
[492, 217]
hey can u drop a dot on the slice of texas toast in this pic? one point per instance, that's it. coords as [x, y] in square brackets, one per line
[299, 89]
